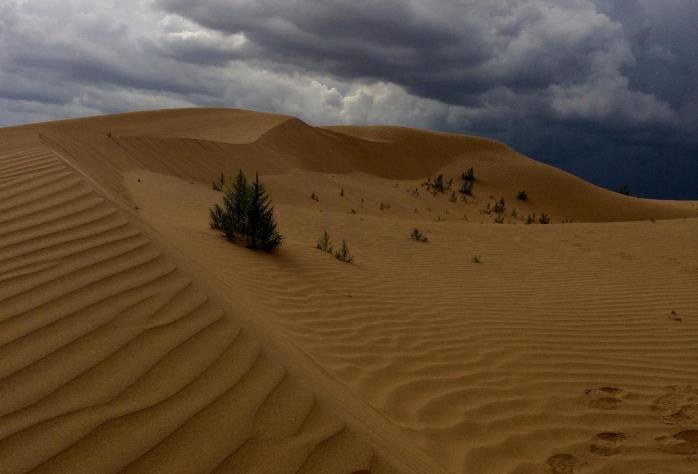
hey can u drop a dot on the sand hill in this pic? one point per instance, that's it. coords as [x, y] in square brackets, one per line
[134, 338]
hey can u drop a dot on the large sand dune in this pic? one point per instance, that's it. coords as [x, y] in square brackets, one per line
[134, 338]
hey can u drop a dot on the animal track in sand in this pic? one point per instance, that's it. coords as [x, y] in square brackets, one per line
[678, 405]
[606, 398]
[607, 443]
[682, 443]
[563, 463]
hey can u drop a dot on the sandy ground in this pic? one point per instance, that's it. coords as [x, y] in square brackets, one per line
[132, 337]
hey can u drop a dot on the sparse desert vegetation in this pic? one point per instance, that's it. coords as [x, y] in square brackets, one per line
[296, 361]
[417, 236]
[247, 214]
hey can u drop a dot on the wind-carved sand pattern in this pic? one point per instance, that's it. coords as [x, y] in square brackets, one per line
[112, 359]
[548, 356]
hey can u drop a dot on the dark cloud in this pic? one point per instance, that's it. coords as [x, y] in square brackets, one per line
[604, 88]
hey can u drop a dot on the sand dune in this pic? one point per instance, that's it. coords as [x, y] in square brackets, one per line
[134, 338]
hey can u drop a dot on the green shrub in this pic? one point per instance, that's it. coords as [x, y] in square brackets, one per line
[343, 253]
[530, 219]
[417, 236]
[314, 197]
[247, 214]
[544, 219]
[499, 219]
[467, 188]
[476, 259]
[216, 213]
[522, 196]
[500, 206]
[453, 197]
[325, 244]
[469, 175]
[437, 185]
[220, 184]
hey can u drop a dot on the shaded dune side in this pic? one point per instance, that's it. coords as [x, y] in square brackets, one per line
[112, 359]
[186, 149]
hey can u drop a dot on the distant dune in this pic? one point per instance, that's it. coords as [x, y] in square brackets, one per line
[133, 338]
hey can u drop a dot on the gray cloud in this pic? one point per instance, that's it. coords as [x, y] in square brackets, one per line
[605, 73]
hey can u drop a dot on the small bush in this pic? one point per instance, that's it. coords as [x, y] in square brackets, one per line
[522, 196]
[248, 214]
[343, 253]
[544, 219]
[325, 244]
[383, 206]
[220, 184]
[453, 197]
[499, 219]
[530, 219]
[500, 206]
[217, 216]
[476, 259]
[341, 193]
[417, 236]
[314, 197]
[514, 213]
[436, 185]
[469, 175]
[467, 188]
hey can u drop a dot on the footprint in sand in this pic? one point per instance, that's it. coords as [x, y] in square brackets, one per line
[606, 398]
[607, 444]
[682, 443]
[679, 405]
[562, 463]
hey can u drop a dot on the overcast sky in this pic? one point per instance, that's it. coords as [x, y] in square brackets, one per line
[607, 89]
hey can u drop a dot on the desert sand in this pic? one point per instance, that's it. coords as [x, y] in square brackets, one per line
[134, 338]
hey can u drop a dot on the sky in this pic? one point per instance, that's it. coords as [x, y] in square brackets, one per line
[605, 89]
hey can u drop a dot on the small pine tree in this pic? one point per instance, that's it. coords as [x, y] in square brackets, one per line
[417, 236]
[343, 253]
[236, 203]
[247, 213]
[467, 188]
[217, 217]
[220, 184]
[499, 206]
[324, 243]
[469, 175]
[262, 233]
[438, 185]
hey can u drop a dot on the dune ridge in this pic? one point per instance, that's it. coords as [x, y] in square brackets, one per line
[105, 343]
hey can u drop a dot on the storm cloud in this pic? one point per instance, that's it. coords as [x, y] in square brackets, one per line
[604, 88]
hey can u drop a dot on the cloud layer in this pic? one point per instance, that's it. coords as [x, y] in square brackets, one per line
[597, 77]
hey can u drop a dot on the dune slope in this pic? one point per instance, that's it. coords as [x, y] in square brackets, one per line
[113, 359]
[131, 330]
